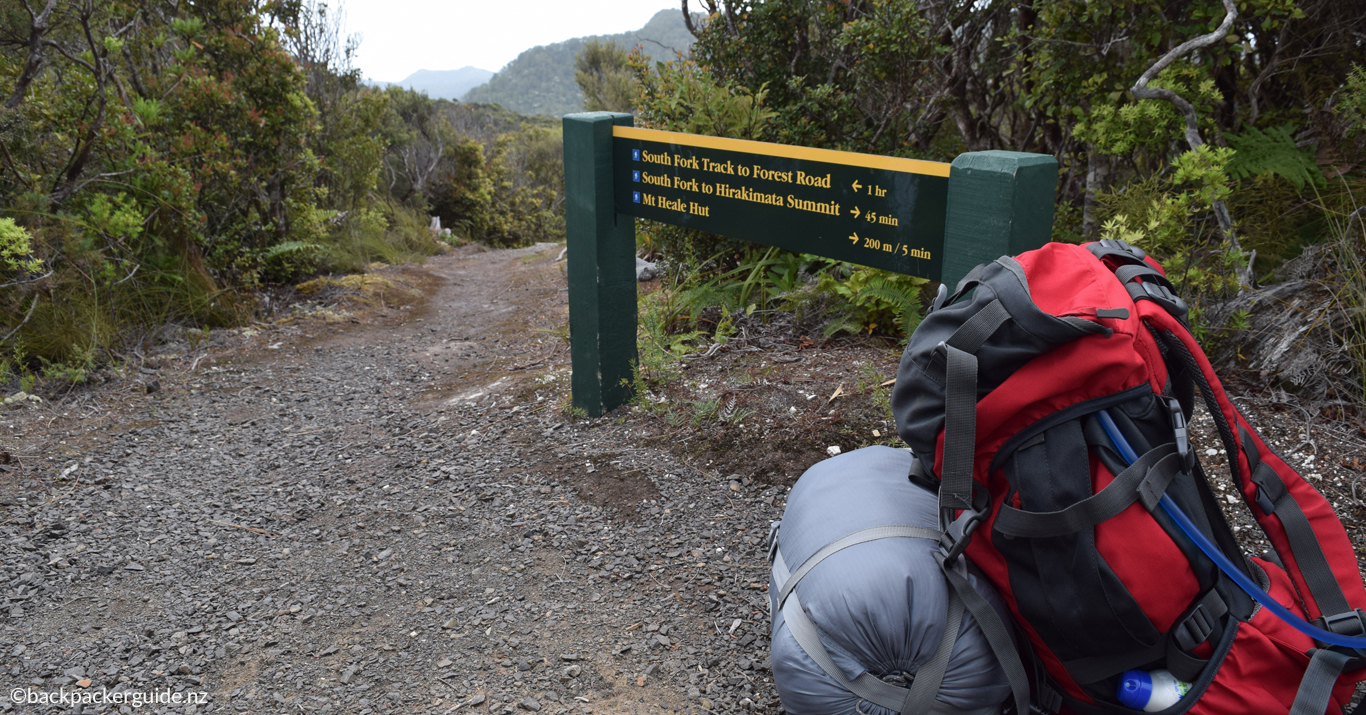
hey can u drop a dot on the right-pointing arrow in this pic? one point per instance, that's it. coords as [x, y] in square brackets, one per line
[855, 211]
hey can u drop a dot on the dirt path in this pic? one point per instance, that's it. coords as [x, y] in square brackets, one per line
[379, 517]
[379, 504]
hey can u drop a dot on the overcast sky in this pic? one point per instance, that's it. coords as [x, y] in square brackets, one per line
[399, 37]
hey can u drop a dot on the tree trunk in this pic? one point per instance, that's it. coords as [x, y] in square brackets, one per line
[1097, 180]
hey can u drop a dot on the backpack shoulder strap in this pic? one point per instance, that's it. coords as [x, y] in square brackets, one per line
[1300, 524]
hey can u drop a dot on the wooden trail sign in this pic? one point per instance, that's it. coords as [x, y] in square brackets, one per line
[922, 218]
[878, 211]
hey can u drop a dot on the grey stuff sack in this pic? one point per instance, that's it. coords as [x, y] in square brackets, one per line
[874, 605]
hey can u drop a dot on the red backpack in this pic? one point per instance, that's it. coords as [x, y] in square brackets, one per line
[1047, 401]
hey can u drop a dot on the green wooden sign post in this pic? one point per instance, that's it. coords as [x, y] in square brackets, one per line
[922, 218]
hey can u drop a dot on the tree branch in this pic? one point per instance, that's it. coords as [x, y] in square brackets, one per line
[1265, 74]
[687, 20]
[1141, 90]
[11, 333]
[38, 27]
[81, 154]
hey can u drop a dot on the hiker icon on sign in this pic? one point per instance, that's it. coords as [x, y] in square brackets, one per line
[635, 155]
[635, 196]
[635, 176]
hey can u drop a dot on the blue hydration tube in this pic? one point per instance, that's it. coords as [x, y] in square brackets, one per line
[1222, 561]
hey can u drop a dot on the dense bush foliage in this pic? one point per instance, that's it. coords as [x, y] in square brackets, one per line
[1275, 101]
[160, 156]
[160, 161]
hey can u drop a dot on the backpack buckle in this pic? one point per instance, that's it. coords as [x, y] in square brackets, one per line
[1160, 294]
[956, 535]
[1351, 623]
[939, 297]
[1264, 501]
[1120, 245]
[773, 540]
[1183, 437]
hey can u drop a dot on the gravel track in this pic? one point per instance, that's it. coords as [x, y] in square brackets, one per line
[380, 519]
[378, 504]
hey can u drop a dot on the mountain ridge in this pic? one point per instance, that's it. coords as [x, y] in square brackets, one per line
[441, 84]
[541, 79]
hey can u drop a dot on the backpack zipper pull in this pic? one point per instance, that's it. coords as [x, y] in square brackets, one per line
[1111, 313]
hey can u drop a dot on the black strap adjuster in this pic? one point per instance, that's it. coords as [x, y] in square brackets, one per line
[1160, 294]
[1200, 622]
[1120, 245]
[1183, 438]
[1264, 501]
[1351, 623]
[956, 535]
[1049, 701]
[1196, 629]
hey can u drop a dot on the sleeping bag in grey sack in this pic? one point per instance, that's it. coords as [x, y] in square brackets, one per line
[859, 604]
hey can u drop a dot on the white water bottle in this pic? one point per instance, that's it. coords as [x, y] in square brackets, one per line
[1150, 691]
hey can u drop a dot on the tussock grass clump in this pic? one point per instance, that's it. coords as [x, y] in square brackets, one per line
[392, 234]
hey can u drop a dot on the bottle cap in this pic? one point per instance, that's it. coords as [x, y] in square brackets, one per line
[1135, 689]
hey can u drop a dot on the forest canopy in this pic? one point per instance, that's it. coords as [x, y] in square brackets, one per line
[1222, 136]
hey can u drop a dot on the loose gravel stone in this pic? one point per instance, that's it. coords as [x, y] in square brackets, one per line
[382, 518]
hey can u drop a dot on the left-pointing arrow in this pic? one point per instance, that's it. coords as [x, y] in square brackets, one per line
[857, 185]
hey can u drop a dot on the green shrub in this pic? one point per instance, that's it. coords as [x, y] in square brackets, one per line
[16, 248]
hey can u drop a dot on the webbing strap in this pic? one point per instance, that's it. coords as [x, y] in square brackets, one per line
[960, 429]
[960, 406]
[930, 675]
[1304, 543]
[1143, 270]
[967, 283]
[975, 330]
[858, 537]
[1002, 645]
[1145, 479]
[866, 685]
[1316, 688]
[1202, 618]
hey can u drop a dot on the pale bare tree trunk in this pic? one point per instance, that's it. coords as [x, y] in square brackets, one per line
[1097, 179]
[1141, 90]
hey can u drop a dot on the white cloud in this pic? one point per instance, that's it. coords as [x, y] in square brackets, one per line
[399, 37]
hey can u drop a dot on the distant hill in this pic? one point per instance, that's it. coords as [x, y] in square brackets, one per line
[442, 84]
[541, 79]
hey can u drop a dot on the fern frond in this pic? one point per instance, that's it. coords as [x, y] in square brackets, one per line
[1273, 151]
[894, 296]
[288, 247]
[841, 324]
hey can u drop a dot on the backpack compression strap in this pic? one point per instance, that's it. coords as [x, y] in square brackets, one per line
[920, 698]
[955, 488]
